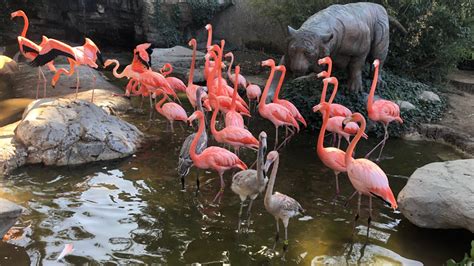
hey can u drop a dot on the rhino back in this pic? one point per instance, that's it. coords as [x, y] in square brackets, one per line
[353, 25]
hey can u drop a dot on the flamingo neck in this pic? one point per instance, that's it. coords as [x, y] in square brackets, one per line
[115, 69]
[209, 36]
[329, 67]
[280, 84]
[323, 93]
[370, 99]
[334, 92]
[234, 94]
[263, 99]
[229, 73]
[213, 119]
[25, 27]
[322, 132]
[191, 71]
[360, 132]
[192, 151]
[160, 103]
[260, 155]
[271, 183]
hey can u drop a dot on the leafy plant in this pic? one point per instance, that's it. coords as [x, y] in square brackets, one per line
[467, 260]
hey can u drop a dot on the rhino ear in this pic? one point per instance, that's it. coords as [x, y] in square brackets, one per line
[327, 37]
[291, 31]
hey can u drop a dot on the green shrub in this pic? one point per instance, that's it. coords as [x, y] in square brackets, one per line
[467, 260]
[305, 93]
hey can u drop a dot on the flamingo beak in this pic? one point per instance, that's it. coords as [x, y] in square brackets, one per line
[347, 120]
[316, 108]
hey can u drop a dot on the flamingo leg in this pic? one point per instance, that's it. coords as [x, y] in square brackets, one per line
[287, 139]
[182, 183]
[197, 182]
[248, 212]
[337, 183]
[370, 215]
[221, 190]
[285, 243]
[94, 78]
[358, 212]
[172, 127]
[277, 236]
[276, 138]
[349, 199]
[44, 82]
[240, 214]
[339, 141]
[380, 143]
[383, 143]
[37, 84]
[77, 82]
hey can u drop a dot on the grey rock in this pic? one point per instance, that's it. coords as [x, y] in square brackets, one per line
[7, 66]
[68, 132]
[440, 195]
[9, 214]
[180, 58]
[429, 96]
[406, 106]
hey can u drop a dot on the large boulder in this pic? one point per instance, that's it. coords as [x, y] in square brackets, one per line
[440, 195]
[9, 214]
[69, 132]
[180, 58]
[8, 69]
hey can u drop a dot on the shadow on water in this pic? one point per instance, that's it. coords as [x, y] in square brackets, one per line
[132, 211]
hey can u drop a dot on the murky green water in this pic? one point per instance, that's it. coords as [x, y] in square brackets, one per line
[132, 211]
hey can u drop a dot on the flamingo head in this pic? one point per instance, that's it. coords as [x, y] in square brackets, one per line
[355, 117]
[325, 61]
[17, 13]
[194, 116]
[144, 51]
[208, 27]
[262, 139]
[376, 63]
[271, 157]
[165, 67]
[323, 74]
[268, 62]
[331, 80]
[229, 54]
[322, 107]
[108, 62]
[281, 68]
[192, 42]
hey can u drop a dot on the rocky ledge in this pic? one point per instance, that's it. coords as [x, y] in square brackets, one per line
[440, 195]
[66, 132]
[9, 214]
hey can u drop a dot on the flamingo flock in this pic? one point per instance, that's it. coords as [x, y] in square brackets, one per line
[227, 126]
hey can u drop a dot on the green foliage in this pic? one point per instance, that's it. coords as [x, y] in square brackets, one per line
[167, 25]
[203, 11]
[467, 260]
[439, 32]
[305, 93]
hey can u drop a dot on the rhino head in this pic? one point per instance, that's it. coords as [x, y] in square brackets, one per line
[305, 48]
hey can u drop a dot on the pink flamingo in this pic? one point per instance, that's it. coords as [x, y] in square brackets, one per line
[335, 126]
[172, 111]
[86, 54]
[240, 79]
[381, 111]
[333, 158]
[232, 117]
[366, 176]
[253, 92]
[215, 158]
[287, 104]
[30, 50]
[277, 114]
[175, 83]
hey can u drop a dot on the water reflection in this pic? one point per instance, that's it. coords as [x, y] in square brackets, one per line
[132, 211]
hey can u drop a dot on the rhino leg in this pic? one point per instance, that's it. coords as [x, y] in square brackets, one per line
[355, 73]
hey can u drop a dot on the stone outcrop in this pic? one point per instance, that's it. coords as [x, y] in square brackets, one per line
[9, 214]
[440, 195]
[68, 132]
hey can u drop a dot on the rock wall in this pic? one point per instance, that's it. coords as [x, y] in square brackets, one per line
[109, 22]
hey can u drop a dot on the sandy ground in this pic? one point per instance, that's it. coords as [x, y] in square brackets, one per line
[460, 115]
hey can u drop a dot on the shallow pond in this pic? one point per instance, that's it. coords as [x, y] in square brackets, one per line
[132, 211]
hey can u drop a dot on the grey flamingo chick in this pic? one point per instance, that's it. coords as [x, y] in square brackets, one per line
[185, 162]
[279, 205]
[250, 182]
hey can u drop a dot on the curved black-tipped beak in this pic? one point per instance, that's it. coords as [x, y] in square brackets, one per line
[100, 59]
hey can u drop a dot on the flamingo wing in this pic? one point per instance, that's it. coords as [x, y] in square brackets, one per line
[224, 158]
[176, 84]
[334, 158]
[175, 111]
[387, 108]
[28, 47]
[52, 49]
[374, 179]
[289, 207]
[283, 115]
[339, 110]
